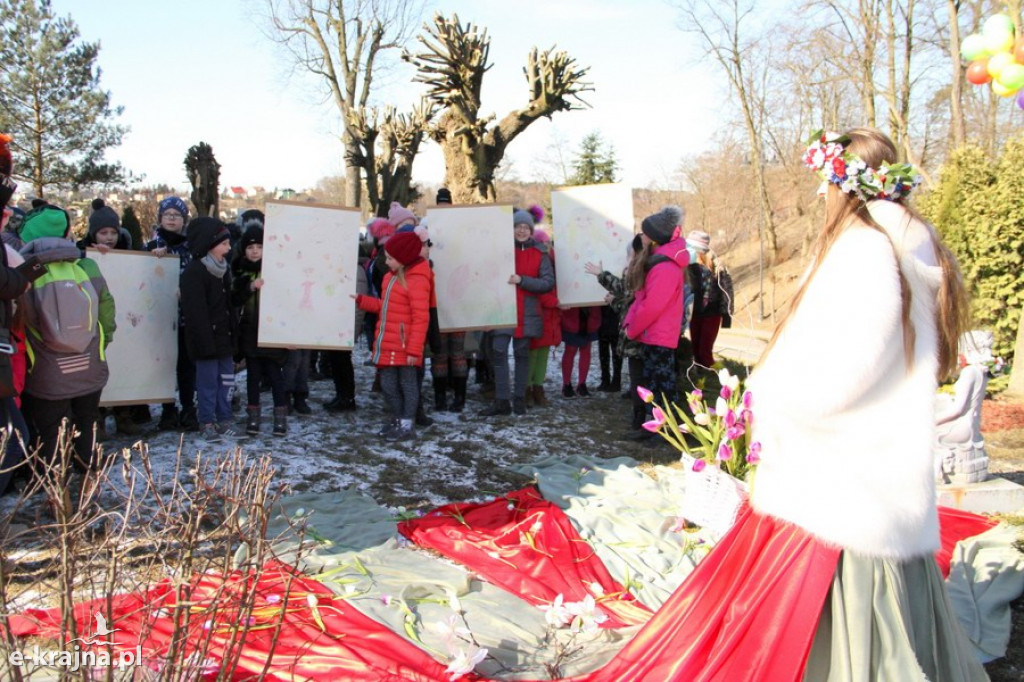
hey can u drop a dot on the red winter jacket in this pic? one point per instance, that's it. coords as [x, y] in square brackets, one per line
[403, 315]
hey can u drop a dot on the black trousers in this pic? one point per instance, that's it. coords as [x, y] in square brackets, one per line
[343, 374]
[44, 419]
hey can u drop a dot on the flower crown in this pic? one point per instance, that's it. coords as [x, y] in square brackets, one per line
[827, 156]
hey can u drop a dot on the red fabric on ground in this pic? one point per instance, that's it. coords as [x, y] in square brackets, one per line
[528, 546]
[747, 612]
[956, 525]
[332, 642]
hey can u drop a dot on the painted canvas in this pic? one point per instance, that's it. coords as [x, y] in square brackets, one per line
[310, 256]
[591, 223]
[473, 257]
[144, 352]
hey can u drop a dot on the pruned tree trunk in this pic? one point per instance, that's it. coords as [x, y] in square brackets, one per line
[957, 125]
[453, 66]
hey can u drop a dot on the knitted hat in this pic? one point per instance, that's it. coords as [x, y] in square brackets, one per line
[541, 237]
[205, 233]
[661, 227]
[699, 241]
[254, 235]
[45, 221]
[404, 247]
[102, 216]
[537, 212]
[399, 214]
[380, 229]
[521, 217]
[418, 230]
[251, 218]
[172, 203]
[443, 196]
[6, 164]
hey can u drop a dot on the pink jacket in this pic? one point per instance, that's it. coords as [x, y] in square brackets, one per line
[656, 316]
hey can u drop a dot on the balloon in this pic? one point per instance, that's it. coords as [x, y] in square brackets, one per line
[998, 41]
[998, 23]
[998, 62]
[1018, 52]
[977, 72]
[1020, 99]
[1002, 90]
[973, 47]
[1012, 76]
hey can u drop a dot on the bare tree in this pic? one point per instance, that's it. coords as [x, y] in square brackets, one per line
[957, 126]
[388, 144]
[718, 23]
[453, 66]
[341, 42]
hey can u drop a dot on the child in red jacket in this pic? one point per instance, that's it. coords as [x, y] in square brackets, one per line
[403, 315]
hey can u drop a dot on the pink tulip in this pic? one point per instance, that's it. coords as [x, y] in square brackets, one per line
[655, 424]
[754, 456]
[698, 465]
[644, 394]
[730, 419]
[726, 393]
[748, 400]
[734, 432]
[724, 452]
[747, 416]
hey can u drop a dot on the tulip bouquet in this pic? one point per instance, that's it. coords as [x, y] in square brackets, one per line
[721, 432]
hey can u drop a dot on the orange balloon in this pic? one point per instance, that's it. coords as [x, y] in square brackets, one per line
[1018, 52]
[977, 72]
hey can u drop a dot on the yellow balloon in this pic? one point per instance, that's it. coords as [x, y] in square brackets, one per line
[1012, 76]
[998, 41]
[1002, 90]
[998, 62]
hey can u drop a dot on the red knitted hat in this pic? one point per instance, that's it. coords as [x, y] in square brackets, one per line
[404, 247]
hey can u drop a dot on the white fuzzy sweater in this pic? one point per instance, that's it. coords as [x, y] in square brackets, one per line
[846, 427]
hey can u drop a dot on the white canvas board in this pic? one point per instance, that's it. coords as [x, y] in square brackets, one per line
[473, 257]
[143, 356]
[591, 223]
[310, 256]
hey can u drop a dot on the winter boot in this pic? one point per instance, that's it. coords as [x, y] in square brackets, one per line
[280, 421]
[125, 423]
[300, 404]
[499, 408]
[252, 422]
[421, 417]
[528, 400]
[168, 417]
[539, 398]
[189, 419]
[440, 394]
[459, 394]
[519, 405]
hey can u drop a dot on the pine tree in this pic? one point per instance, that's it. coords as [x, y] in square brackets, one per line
[130, 222]
[997, 247]
[51, 102]
[594, 164]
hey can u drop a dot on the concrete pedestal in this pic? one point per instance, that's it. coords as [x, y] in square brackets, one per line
[996, 495]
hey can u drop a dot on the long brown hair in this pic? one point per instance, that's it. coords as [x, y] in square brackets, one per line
[636, 275]
[843, 210]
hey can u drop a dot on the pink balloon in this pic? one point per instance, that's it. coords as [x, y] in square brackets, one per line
[1020, 99]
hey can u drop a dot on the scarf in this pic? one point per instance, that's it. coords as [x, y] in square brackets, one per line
[217, 268]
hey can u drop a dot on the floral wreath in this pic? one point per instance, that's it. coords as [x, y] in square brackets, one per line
[827, 156]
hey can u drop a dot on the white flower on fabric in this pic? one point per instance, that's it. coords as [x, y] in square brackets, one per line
[463, 661]
[449, 630]
[596, 589]
[586, 617]
[556, 613]
[453, 601]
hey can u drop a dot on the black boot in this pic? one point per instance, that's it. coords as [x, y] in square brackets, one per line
[421, 417]
[300, 405]
[168, 417]
[459, 394]
[252, 421]
[189, 419]
[280, 421]
[499, 408]
[440, 394]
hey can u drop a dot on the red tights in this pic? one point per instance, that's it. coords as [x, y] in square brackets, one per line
[569, 356]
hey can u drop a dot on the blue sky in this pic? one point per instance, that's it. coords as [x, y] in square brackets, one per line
[194, 70]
